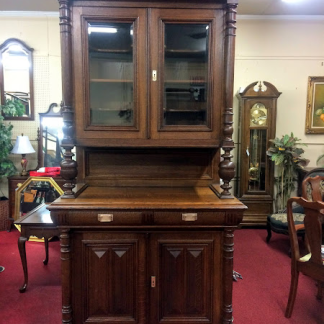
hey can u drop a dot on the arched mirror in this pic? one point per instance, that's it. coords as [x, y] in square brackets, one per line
[16, 80]
[50, 152]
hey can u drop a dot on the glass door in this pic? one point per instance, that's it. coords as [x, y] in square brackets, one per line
[185, 94]
[256, 152]
[110, 64]
[111, 68]
[185, 74]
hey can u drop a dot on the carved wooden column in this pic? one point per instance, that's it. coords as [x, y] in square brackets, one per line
[226, 166]
[66, 276]
[68, 165]
[228, 249]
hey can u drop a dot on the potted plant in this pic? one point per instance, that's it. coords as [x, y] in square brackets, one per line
[7, 167]
[319, 158]
[13, 108]
[287, 157]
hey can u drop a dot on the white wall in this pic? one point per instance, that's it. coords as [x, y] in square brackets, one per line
[285, 51]
[41, 32]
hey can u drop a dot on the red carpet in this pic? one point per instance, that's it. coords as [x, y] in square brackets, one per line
[260, 298]
[262, 295]
[41, 303]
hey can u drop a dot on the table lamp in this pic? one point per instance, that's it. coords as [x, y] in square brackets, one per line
[23, 147]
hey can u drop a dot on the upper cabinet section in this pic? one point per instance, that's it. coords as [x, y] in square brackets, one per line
[152, 75]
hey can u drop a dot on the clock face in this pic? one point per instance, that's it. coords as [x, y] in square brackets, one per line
[258, 115]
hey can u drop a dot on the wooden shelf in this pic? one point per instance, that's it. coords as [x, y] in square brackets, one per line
[110, 109]
[194, 83]
[111, 81]
[185, 53]
[185, 110]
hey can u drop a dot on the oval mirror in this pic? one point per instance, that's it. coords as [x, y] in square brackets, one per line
[16, 80]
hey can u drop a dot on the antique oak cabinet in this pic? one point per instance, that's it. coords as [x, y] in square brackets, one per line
[147, 216]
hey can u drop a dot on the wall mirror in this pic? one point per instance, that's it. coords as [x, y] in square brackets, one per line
[16, 80]
[34, 192]
[50, 135]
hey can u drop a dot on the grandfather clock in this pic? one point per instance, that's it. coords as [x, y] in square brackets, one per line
[258, 106]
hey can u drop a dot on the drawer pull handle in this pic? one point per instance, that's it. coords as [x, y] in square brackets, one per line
[105, 218]
[189, 217]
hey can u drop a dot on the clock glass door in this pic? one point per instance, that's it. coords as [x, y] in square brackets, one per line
[258, 147]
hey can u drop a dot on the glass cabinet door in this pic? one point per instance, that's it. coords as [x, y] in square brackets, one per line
[111, 72]
[185, 74]
[185, 83]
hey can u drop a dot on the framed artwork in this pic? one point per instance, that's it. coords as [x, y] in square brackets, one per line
[315, 105]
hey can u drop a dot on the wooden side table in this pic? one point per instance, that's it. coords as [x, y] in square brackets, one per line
[37, 223]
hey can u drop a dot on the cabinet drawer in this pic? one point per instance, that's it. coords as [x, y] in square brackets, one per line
[188, 218]
[145, 218]
[105, 217]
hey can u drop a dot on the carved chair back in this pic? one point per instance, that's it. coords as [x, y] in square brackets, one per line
[311, 262]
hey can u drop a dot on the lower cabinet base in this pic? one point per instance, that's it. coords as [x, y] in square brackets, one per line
[147, 277]
[147, 256]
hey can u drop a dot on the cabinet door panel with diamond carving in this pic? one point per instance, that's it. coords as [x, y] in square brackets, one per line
[185, 284]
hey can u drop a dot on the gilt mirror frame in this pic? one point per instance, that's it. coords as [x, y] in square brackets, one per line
[27, 98]
[315, 105]
[25, 185]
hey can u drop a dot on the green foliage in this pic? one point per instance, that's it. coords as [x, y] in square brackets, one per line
[319, 158]
[7, 167]
[13, 108]
[286, 155]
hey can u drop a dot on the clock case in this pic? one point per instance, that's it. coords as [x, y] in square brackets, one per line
[258, 110]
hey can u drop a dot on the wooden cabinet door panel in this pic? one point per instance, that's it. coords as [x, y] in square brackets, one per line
[183, 269]
[112, 279]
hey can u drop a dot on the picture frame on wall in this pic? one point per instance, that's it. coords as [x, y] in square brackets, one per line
[315, 105]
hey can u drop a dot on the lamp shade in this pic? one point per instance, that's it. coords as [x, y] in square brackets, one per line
[22, 146]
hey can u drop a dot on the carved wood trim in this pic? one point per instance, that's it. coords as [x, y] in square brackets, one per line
[66, 276]
[68, 165]
[228, 249]
[226, 166]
